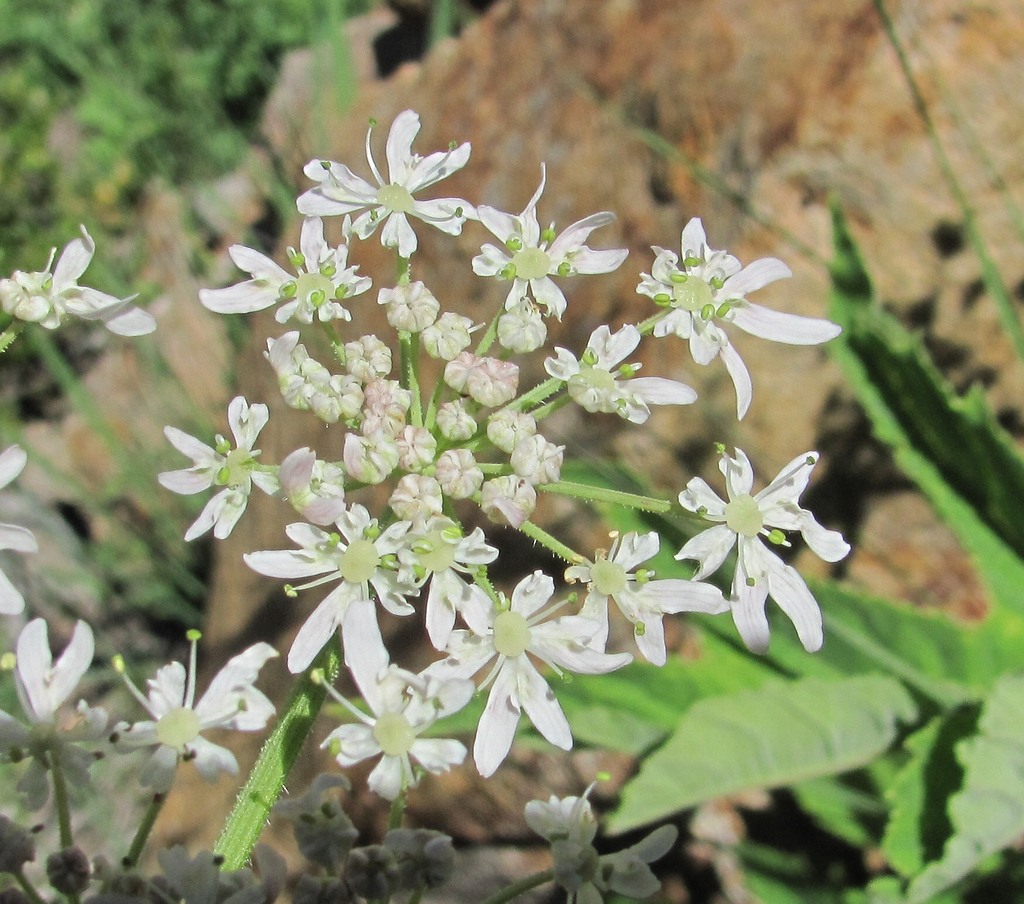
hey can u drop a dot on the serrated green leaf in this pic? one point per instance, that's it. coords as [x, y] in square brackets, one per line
[987, 813]
[952, 448]
[919, 824]
[777, 735]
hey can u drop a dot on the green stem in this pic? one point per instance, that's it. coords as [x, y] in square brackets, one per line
[397, 810]
[145, 827]
[517, 888]
[537, 395]
[989, 272]
[545, 539]
[28, 888]
[12, 332]
[60, 799]
[603, 494]
[268, 775]
[551, 407]
[490, 334]
[409, 344]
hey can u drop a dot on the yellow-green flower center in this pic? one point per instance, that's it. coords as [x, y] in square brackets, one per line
[315, 287]
[531, 263]
[607, 577]
[438, 552]
[743, 516]
[394, 734]
[178, 727]
[235, 470]
[692, 294]
[395, 198]
[511, 634]
[596, 377]
[359, 561]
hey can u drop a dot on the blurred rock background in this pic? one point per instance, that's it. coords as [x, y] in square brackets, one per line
[742, 113]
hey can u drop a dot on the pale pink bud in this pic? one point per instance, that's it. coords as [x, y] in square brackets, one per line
[367, 358]
[521, 329]
[412, 307]
[505, 428]
[458, 474]
[314, 488]
[369, 460]
[537, 460]
[448, 336]
[416, 448]
[385, 406]
[454, 422]
[416, 498]
[509, 499]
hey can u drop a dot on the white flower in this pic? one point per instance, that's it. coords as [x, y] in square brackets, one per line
[391, 200]
[12, 462]
[230, 702]
[322, 280]
[643, 601]
[404, 706]
[507, 638]
[708, 288]
[48, 297]
[597, 382]
[360, 556]
[531, 256]
[234, 469]
[759, 572]
[43, 686]
[440, 554]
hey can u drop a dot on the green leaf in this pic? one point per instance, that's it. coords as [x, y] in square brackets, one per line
[919, 794]
[777, 735]
[837, 806]
[951, 447]
[987, 813]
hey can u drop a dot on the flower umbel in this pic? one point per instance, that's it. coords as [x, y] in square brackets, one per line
[760, 573]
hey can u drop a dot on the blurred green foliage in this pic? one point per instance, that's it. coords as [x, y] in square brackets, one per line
[98, 96]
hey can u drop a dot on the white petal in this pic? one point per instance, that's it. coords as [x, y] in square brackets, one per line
[497, 725]
[659, 391]
[826, 544]
[739, 475]
[709, 549]
[781, 327]
[673, 595]
[754, 276]
[11, 600]
[539, 703]
[740, 378]
[438, 755]
[243, 298]
[12, 463]
[211, 760]
[74, 260]
[788, 589]
[316, 632]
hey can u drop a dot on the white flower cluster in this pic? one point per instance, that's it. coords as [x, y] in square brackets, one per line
[436, 412]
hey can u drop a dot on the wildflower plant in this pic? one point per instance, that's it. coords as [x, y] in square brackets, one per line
[438, 414]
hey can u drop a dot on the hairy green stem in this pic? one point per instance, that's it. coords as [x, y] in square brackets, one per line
[8, 336]
[268, 775]
[603, 494]
[28, 888]
[549, 542]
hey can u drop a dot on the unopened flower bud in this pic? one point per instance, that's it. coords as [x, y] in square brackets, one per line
[412, 307]
[458, 474]
[321, 890]
[454, 422]
[508, 499]
[68, 870]
[521, 329]
[416, 448]
[369, 460]
[505, 428]
[367, 358]
[416, 498]
[425, 857]
[489, 381]
[448, 336]
[537, 460]
[372, 872]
